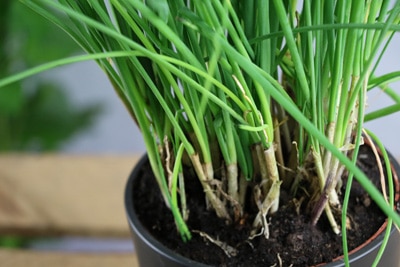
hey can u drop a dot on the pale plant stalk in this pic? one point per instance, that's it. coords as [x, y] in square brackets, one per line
[182, 193]
[233, 178]
[205, 175]
[321, 205]
[273, 177]
[280, 163]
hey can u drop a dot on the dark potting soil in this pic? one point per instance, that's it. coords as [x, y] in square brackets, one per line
[292, 242]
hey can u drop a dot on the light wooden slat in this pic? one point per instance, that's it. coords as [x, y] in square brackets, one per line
[64, 194]
[23, 258]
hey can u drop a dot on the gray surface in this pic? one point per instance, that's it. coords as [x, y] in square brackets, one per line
[79, 244]
[114, 131]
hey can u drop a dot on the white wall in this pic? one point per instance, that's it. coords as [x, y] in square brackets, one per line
[387, 128]
[114, 131]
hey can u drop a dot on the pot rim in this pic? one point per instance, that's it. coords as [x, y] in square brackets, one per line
[371, 244]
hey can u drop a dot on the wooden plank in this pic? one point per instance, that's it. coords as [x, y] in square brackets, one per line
[23, 258]
[54, 194]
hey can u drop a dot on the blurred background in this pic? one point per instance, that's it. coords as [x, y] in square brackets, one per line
[73, 109]
[67, 110]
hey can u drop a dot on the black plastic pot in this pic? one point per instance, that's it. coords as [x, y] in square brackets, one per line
[152, 253]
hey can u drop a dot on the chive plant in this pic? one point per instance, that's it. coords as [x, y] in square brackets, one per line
[268, 94]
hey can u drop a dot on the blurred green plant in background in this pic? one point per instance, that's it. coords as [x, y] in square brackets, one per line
[35, 115]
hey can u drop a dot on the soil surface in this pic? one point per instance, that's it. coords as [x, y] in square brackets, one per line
[292, 242]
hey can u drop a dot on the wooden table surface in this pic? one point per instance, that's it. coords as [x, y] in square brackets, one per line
[64, 195]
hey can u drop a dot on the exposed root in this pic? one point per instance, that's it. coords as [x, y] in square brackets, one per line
[279, 260]
[379, 165]
[238, 209]
[229, 250]
[265, 206]
[254, 234]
